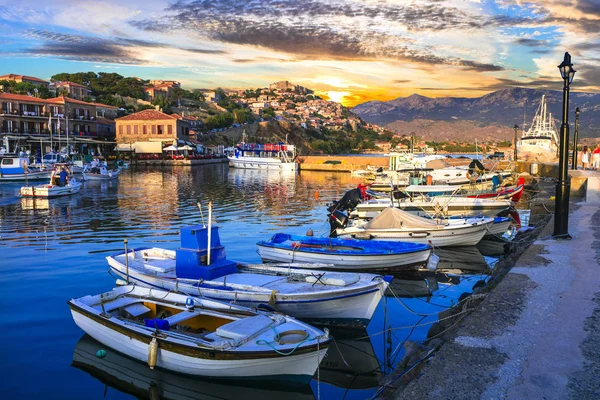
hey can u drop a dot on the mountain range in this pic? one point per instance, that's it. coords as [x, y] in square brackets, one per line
[505, 108]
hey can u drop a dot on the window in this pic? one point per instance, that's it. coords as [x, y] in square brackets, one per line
[144, 130]
[160, 129]
[170, 129]
[120, 129]
[135, 129]
[8, 161]
[129, 129]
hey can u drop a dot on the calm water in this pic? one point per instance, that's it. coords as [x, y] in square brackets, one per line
[54, 250]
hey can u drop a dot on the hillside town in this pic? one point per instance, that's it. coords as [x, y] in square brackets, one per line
[34, 110]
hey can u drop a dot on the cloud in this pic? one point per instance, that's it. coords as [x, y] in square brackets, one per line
[320, 30]
[531, 42]
[82, 48]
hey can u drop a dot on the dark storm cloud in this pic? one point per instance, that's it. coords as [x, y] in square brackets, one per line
[75, 47]
[531, 42]
[302, 28]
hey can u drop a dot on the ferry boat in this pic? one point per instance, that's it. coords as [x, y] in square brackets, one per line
[281, 157]
[542, 138]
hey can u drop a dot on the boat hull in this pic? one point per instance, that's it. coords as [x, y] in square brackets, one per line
[262, 163]
[454, 207]
[135, 345]
[49, 191]
[345, 262]
[353, 306]
[460, 235]
[30, 176]
[100, 177]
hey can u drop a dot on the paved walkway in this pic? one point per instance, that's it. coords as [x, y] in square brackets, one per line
[537, 335]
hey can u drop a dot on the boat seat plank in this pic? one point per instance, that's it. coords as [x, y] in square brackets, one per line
[182, 316]
[136, 309]
[244, 327]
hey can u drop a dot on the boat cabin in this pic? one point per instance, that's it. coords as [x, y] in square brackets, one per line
[14, 165]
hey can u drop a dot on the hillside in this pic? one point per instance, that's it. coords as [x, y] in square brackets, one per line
[452, 131]
[504, 107]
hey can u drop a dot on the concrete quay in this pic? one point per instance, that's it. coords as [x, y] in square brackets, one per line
[536, 334]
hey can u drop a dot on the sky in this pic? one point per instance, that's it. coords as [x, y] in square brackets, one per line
[348, 51]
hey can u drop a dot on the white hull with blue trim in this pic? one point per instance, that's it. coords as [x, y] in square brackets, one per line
[345, 254]
[302, 293]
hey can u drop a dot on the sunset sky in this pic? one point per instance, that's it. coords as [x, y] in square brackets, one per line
[348, 51]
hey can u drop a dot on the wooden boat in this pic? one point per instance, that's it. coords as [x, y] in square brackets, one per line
[100, 173]
[135, 378]
[348, 254]
[17, 168]
[397, 225]
[198, 336]
[52, 189]
[310, 294]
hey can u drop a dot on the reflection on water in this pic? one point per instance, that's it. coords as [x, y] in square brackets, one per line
[54, 250]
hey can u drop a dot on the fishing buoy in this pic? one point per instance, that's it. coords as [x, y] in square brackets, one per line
[153, 353]
[101, 353]
[309, 232]
[272, 298]
[317, 195]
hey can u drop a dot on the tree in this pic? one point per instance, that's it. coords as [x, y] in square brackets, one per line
[243, 115]
[269, 112]
[142, 107]
[178, 93]
[163, 103]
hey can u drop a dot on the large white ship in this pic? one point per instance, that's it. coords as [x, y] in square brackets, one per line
[541, 140]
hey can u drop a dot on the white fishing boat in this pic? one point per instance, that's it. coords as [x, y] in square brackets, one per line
[310, 294]
[434, 206]
[17, 168]
[541, 139]
[100, 173]
[53, 188]
[133, 377]
[198, 336]
[396, 225]
[264, 156]
[345, 254]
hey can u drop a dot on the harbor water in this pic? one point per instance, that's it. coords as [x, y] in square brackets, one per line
[54, 250]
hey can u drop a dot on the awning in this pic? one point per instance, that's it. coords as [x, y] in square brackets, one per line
[125, 147]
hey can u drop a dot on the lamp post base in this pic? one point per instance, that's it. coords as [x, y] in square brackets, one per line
[563, 236]
[561, 216]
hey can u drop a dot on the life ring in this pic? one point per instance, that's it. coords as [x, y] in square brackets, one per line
[292, 336]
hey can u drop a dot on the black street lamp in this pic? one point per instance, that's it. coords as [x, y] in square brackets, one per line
[516, 129]
[563, 187]
[577, 112]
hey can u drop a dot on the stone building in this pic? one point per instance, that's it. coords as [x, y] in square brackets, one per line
[24, 78]
[149, 126]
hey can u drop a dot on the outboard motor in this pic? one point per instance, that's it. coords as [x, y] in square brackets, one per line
[337, 220]
[348, 202]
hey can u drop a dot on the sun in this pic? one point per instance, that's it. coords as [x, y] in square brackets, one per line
[337, 96]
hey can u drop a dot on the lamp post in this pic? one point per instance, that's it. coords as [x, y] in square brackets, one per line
[563, 187]
[575, 138]
[516, 127]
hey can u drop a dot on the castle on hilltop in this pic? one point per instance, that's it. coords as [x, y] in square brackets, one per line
[283, 86]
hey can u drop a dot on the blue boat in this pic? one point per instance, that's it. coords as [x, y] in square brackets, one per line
[348, 254]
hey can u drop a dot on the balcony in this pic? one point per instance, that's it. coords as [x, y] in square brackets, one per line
[82, 117]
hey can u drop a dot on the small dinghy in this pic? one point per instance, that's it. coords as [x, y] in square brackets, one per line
[100, 173]
[198, 336]
[397, 225]
[53, 188]
[349, 254]
[309, 294]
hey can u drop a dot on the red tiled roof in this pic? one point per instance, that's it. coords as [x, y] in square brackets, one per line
[103, 105]
[29, 78]
[69, 83]
[146, 115]
[21, 97]
[176, 116]
[63, 100]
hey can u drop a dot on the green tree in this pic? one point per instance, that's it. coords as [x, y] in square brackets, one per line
[163, 103]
